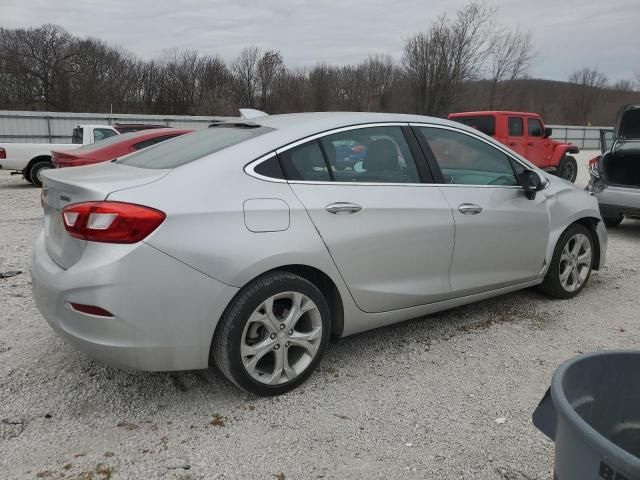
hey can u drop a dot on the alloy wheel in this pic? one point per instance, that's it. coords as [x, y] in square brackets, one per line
[575, 262]
[281, 338]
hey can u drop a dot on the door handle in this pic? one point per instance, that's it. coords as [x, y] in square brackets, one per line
[343, 208]
[512, 144]
[530, 144]
[469, 209]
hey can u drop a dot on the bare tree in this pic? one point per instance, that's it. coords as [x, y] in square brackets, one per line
[588, 83]
[270, 67]
[509, 57]
[244, 71]
[438, 61]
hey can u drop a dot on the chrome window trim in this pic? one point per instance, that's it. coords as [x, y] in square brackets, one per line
[250, 167]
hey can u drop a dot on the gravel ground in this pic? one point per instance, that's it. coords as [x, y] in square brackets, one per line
[416, 400]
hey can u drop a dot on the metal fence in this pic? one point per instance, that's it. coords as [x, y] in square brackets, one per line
[57, 127]
[586, 138]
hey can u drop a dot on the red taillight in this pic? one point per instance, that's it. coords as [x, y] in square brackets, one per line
[3, 153]
[62, 161]
[111, 222]
[91, 310]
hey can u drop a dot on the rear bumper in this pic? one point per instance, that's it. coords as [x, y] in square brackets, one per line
[164, 312]
[615, 201]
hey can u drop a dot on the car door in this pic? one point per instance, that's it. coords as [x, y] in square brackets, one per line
[501, 236]
[539, 149]
[516, 139]
[389, 233]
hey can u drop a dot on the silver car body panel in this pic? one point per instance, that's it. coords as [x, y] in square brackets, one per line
[226, 225]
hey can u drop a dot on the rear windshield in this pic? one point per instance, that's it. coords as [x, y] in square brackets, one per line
[485, 123]
[192, 146]
[105, 142]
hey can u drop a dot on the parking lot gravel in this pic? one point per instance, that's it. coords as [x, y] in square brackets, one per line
[449, 396]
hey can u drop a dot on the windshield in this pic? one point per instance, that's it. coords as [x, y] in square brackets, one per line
[193, 146]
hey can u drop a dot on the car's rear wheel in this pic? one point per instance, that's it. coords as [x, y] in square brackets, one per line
[568, 168]
[273, 334]
[613, 221]
[571, 264]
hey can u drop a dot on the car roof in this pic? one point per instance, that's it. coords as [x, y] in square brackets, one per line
[296, 126]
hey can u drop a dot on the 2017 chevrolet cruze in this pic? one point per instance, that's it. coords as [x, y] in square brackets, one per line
[242, 245]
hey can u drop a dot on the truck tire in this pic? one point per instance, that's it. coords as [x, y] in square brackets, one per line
[568, 168]
[37, 168]
[26, 176]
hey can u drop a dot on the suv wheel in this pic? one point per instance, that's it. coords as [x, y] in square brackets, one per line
[614, 221]
[568, 168]
[273, 334]
[571, 264]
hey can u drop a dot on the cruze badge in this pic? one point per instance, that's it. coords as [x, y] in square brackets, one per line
[65, 198]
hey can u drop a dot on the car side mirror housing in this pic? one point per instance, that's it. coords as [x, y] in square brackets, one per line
[531, 183]
[547, 132]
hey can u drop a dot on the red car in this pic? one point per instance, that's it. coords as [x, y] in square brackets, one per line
[526, 134]
[114, 147]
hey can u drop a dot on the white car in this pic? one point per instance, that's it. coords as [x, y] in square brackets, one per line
[243, 245]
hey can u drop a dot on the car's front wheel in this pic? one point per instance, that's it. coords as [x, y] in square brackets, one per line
[571, 264]
[273, 334]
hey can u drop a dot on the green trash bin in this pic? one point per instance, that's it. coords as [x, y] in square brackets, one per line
[592, 412]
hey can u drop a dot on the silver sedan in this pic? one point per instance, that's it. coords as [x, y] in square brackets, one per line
[250, 244]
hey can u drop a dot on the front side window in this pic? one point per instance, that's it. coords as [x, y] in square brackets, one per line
[465, 160]
[516, 129]
[534, 127]
[485, 123]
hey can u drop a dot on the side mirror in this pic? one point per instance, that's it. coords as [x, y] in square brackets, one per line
[547, 132]
[531, 183]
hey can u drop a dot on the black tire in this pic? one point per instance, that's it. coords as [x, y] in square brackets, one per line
[26, 176]
[568, 168]
[612, 222]
[552, 285]
[226, 344]
[36, 168]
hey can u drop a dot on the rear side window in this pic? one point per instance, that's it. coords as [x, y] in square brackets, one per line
[485, 123]
[192, 146]
[77, 136]
[516, 127]
[534, 127]
[305, 162]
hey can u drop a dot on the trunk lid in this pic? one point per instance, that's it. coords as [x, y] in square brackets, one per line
[81, 184]
[628, 123]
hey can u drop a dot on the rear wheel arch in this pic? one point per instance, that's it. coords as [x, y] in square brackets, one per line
[317, 277]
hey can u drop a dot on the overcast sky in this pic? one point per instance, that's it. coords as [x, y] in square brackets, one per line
[568, 34]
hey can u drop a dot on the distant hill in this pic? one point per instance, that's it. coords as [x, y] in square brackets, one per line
[558, 102]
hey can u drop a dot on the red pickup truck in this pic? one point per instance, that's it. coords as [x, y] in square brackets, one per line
[525, 134]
